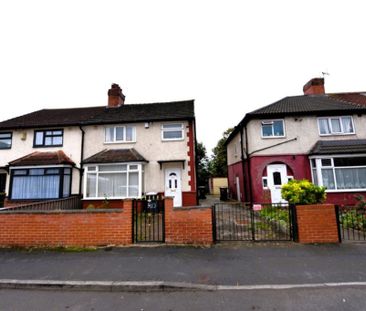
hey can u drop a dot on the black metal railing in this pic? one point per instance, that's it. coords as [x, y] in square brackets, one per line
[253, 222]
[352, 223]
[71, 203]
[148, 220]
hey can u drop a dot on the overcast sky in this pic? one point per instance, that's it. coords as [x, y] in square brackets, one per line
[230, 56]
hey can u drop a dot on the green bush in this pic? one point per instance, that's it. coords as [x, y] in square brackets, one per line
[303, 192]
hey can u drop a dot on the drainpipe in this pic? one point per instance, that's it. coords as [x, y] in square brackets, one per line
[242, 163]
[248, 165]
[195, 159]
[81, 170]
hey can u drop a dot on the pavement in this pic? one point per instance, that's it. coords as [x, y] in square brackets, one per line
[226, 267]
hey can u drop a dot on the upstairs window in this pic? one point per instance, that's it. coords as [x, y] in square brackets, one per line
[5, 140]
[46, 138]
[120, 134]
[336, 126]
[273, 128]
[172, 131]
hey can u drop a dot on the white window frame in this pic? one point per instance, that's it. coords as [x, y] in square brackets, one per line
[319, 166]
[266, 122]
[173, 129]
[140, 170]
[341, 124]
[115, 141]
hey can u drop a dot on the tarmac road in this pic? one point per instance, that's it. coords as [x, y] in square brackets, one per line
[350, 298]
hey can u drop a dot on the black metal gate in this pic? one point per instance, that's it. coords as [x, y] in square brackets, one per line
[148, 220]
[253, 222]
[351, 223]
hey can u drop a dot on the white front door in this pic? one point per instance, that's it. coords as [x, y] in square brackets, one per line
[238, 188]
[277, 176]
[173, 185]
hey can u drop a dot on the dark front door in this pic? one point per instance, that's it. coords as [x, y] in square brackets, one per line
[2, 182]
[2, 189]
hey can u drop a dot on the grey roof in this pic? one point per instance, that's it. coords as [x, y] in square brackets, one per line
[115, 156]
[169, 111]
[339, 146]
[308, 104]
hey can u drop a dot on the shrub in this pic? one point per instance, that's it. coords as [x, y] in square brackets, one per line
[303, 192]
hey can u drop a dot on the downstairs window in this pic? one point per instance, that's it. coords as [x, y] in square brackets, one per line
[113, 181]
[339, 173]
[40, 183]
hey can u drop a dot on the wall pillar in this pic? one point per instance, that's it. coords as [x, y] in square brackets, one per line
[317, 223]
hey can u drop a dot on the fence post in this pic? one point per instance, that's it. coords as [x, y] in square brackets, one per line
[338, 223]
[294, 227]
[213, 213]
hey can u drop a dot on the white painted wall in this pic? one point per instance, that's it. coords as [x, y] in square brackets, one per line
[232, 156]
[22, 147]
[148, 143]
[305, 129]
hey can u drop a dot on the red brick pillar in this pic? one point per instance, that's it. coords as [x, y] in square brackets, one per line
[317, 223]
[188, 225]
[127, 213]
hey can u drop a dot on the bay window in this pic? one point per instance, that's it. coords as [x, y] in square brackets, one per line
[113, 181]
[40, 183]
[339, 173]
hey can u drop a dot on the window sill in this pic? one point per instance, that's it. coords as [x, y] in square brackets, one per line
[272, 137]
[49, 146]
[346, 190]
[170, 140]
[119, 142]
[337, 134]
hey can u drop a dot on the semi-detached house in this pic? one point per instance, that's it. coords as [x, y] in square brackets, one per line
[316, 136]
[110, 152]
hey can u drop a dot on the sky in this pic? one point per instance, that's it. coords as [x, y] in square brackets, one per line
[230, 56]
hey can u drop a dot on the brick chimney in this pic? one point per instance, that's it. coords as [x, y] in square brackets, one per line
[314, 87]
[115, 96]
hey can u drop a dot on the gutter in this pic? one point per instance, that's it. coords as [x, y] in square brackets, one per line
[81, 170]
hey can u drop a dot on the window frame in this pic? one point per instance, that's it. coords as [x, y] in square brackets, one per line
[60, 168]
[174, 129]
[139, 170]
[318, 167]
[329, 118]
[271, 121]
[11, 139]
[123, 141]
[45, 136]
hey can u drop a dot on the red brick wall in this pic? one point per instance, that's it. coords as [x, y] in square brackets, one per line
[189, 198]
[67, 228]
[317, 223]
[298, 164]
[233, 171]
[192, 225]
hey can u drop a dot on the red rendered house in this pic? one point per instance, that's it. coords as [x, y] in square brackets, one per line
[316, 136]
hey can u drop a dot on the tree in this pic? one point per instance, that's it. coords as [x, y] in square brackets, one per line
[218, 163]
[202, 165]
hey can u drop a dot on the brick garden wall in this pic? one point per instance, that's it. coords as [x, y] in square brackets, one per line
[66, 228]
[187, 225]
[317, 223]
